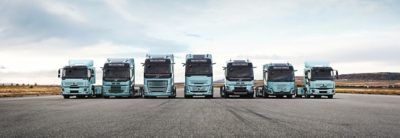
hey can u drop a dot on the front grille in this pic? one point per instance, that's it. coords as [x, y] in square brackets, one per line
[115, 89]
[157, 89]
[73, 83]
[323, 91]
[74, 87]
[74, 91]
[157, 83]
[240, 89]
[199, 89]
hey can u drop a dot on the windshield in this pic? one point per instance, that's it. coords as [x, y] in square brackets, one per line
[281, 75]
[198, 69]
[157, 69]
[116, 73]
[244, 73]
[321, 74]
[80, 72]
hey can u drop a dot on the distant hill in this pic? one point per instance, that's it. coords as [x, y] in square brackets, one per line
[371, 76]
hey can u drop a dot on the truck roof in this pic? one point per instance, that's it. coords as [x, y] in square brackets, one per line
[121, 60]
[88, 63]
[166, 56]
[198, 56]
[316, 64]
[239, 61]
[267, 66]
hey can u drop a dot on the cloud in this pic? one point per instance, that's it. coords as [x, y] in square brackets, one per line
[43, 35]
[23, 23]
[192, 35]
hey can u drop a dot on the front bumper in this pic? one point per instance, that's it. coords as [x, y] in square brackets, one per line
[194, 90]
[321, 92]
[121, 90]
[158, 94]
[76, 91]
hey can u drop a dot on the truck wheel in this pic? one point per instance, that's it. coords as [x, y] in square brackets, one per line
[289, 96]
[66, 97]
[265, 96]
[210, 97]
[106, 97]
[250, 96]
[317, 96]
[298, 96]
[330, 96]
[80, 96]
[188, 96]
[279, 96]
[226, 95]
[308, 96]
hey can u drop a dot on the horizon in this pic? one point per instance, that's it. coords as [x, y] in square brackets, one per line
[38, 37]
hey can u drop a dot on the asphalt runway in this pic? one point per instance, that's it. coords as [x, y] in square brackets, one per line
[347, 115]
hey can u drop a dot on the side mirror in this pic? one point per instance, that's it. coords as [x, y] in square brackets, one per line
[295, 70]
[142, 64]
[214, 63]
[183, 64]
[337, 74]
[224, 68]
[306, 74]
[59, 73]
[89, 74]
[92, 73]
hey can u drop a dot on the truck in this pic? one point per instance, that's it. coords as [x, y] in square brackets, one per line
[159, 76]
[198, 76]
[239, 79]
[119, 78]
[78, 79]
[319, 80]
[278, 80]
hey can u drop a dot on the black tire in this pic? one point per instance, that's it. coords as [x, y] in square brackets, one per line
[308, 96]
[250, 96]
[317, 96]
[299, 96]
[279, 96]
[80, 96]
[289, 96]
[210, 97]
[264, 95]
[188, 96]
[226, 95]
[330, 96]
[66, 96]
[106, 97]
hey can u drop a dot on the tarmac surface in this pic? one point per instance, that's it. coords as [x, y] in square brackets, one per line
[347, 115]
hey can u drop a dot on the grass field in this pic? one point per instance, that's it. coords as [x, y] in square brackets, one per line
[16, 91]
[343, 86]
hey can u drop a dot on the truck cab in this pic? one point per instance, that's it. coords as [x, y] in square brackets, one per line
[239, 79]
[279, 81]
[119, 78]
[78, 79]
[198, 76]
[319, 80]
[159, 76]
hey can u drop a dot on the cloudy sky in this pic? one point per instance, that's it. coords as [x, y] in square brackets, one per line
[39, 36]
